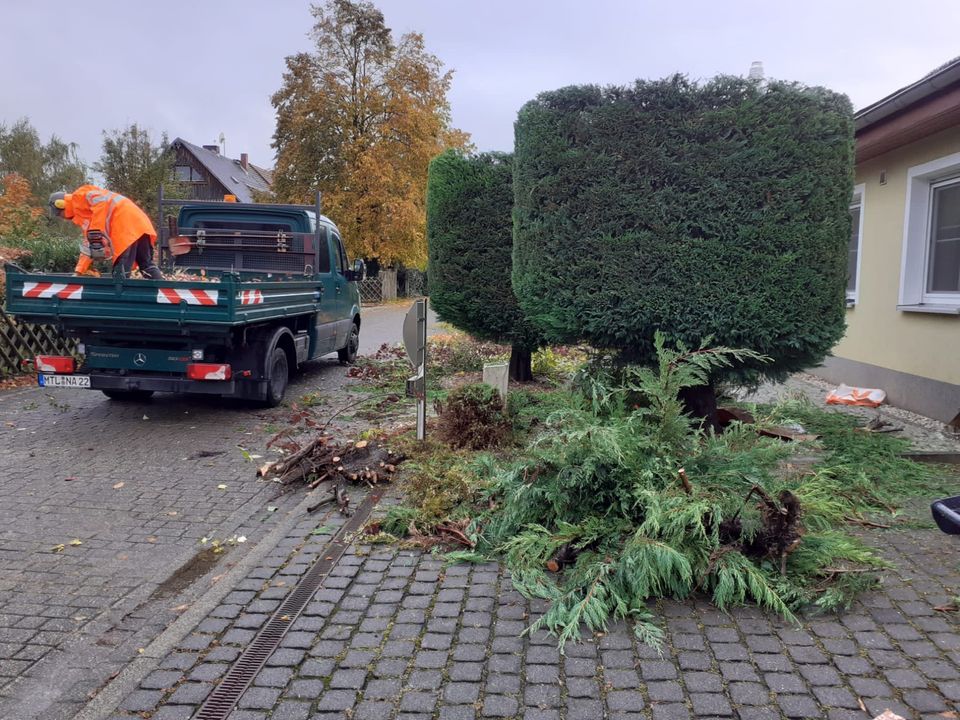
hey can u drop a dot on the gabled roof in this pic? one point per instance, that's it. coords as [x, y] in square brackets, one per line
[930, 84]
[266, 174]
[230, 173]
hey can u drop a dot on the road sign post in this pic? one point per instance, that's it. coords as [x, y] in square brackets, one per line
[415, 343]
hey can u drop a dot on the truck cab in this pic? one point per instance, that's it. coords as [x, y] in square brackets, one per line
[251, 291]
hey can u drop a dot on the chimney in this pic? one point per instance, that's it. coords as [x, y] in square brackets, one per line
[244, 161]
[756, 71]
[215, 149]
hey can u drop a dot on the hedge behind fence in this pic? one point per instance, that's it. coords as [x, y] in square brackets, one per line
[719, 209]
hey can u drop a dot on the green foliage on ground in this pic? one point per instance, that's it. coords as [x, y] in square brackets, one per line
[470, 241]
[623, 499]
[440, 484]
[706, 210]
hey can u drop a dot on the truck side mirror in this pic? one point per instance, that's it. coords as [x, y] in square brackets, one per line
[359, 272]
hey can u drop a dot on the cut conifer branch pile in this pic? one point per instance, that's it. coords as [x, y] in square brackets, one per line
[624, 500]
[323, 460]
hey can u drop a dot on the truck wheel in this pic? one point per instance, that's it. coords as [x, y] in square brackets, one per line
[128, 395]
[278, 376]
[348, 353]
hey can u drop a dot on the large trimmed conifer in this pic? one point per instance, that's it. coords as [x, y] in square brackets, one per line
[717, 210]
[470, 243]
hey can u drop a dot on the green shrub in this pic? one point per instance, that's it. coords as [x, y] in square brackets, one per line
[470, 239]
[43, 253]
[46, 253]
[637, 503]
[473, 418]
[716, 210]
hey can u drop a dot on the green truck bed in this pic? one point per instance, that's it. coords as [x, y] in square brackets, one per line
[280, 292]
[104, 301]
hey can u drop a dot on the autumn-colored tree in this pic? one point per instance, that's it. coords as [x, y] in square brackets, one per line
[359, 119]
[133, 165]
[19, 215]
[47, 167]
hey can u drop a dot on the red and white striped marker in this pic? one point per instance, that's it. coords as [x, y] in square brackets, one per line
[49, 290]
[171, 296]
[251, 297]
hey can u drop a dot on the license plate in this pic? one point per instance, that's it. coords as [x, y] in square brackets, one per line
[64, 381]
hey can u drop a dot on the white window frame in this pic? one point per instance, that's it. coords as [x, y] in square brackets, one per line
[859, 194]
[917, 219]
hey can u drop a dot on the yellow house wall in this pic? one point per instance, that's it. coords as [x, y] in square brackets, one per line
[877, 333]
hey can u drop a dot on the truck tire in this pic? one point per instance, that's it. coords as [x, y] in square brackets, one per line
[128, 395]
[348, 353]
[278, 376]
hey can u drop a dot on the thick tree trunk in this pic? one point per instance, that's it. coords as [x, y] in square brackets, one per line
[700, 401]
[521, 369]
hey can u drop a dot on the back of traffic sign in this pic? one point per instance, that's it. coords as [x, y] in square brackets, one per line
[413, 333]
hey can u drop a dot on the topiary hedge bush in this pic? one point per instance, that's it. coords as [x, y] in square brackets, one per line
[470, 243]
[700, 210]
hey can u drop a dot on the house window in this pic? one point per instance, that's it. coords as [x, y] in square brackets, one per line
[186, 173]
[853, 250]
[930, 270]
[943, 264]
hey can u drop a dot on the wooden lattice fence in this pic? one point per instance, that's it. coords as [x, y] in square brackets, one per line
[371, 290]
[22, 341]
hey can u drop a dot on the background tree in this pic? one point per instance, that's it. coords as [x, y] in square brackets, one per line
[20, 216]
[470, 238]
[28, 236]
[133, 165]
[359, 119]
[717, 210]
[47, 167]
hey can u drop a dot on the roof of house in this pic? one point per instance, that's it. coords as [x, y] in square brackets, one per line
[230, 173]
[931, 83]
[266, 174]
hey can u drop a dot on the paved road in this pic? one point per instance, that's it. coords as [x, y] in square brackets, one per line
[102, 506]
[394, 634]
[383, 324]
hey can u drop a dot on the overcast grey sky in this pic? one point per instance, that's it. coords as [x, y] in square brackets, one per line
[198, 68]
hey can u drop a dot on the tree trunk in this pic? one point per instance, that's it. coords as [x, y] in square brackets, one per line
[521, 359]
[700, 402]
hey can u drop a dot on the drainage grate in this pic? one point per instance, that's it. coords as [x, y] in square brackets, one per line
[220, 702]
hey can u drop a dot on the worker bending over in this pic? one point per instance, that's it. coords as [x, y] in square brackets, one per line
[114, 228]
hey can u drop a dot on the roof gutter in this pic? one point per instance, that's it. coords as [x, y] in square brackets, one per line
[907, 96]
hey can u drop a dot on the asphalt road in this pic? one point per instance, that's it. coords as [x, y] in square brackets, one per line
[383, 324]
[102, 509]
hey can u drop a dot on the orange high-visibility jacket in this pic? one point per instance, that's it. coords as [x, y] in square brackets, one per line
[93, 208]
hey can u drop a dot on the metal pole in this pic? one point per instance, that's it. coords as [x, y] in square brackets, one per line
[160, 244]
[422, 398]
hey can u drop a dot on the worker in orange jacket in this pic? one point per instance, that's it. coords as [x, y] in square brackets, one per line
[121, 230]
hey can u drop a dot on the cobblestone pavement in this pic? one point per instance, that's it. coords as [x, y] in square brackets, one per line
[135, 486]
[395, 634]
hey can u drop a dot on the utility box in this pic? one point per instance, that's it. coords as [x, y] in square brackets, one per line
[498, 375]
